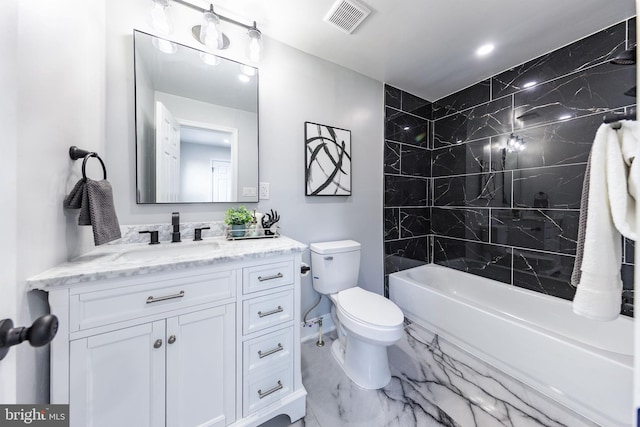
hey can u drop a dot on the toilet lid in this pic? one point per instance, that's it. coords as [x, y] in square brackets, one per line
[370, 308]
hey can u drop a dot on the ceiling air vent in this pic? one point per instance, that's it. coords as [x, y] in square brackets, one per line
[346, 15]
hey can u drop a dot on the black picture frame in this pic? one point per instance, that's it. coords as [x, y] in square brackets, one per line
[327, 156]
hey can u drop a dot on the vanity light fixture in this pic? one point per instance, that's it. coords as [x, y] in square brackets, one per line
[254, 47]
[161, 17]
[209, 32]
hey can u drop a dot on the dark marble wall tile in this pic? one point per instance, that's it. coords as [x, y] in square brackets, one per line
[627, 274]
[406, 253]
[407, 128]
[471, 157]
[629, 251]
[476, 258]
[463, 99]
[405, 191]
[392, 97]
[545, 273]
[554, 187]
[547, 230]
[484, 120]
[415, 161]
[392, 157]
[594, 90]
[414, 105]
[631, 32]
[463, 223]
[481, 190]
[592, 50]
[415, 222]
[391, 223]
[558, 143]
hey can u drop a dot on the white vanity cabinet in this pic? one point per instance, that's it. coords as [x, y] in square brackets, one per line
[212, 345]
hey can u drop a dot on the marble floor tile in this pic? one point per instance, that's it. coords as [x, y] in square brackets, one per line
[433, 383]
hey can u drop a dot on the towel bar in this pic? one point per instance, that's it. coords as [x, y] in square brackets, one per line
[78, 153]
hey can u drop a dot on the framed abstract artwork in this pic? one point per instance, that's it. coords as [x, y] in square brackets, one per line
[327, 158]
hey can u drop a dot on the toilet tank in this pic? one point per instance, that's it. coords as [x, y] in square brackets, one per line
[335, 265]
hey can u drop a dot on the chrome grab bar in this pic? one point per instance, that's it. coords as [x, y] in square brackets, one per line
[268, 392]
[151, 299]
[270, 352]
[275, 276]
[269, 313]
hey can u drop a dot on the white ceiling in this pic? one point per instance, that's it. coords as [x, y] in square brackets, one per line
[427, 47]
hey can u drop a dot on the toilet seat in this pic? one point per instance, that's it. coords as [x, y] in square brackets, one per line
[369, 308]
[371, 316]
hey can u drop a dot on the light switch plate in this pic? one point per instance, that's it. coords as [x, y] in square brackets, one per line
[264, 190]
[248, 191]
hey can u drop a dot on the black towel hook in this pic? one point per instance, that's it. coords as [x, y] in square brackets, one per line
[77, 153]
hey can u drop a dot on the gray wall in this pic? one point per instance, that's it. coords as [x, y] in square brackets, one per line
[294, 87]
[8, 191]
[56, 92]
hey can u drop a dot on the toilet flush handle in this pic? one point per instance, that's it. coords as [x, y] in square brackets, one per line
[328, 258]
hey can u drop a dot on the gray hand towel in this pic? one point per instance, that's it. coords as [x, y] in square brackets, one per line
[95, 201]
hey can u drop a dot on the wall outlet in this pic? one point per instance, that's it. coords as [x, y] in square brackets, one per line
[264, 190]
[248, 191]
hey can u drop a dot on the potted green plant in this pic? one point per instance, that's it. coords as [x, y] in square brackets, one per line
[238, 218]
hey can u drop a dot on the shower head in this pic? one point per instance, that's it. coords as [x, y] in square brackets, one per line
[628, 57]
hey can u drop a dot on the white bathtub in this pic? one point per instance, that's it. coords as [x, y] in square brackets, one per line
[583, 364]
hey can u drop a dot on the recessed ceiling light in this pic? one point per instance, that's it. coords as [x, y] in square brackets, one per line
[565, 117]
[406, 128]
[529, 84]
[243, 78]
[485, 49]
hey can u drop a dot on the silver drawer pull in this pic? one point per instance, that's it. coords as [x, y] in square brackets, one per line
[275, 276]
[269, 313]
[152, 299]
[268, 392]
[270, 352]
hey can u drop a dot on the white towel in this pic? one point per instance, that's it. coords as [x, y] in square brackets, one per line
[611, 210]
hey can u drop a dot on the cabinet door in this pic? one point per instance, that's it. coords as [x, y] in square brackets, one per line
[118, 378]
[201, 368]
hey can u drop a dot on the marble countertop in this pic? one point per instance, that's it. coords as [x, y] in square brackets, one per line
[126, 260]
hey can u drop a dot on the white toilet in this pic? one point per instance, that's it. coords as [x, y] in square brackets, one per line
[367, 323]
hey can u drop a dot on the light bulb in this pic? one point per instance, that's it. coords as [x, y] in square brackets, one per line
[160, 17]
[210, 30]
[254, 49]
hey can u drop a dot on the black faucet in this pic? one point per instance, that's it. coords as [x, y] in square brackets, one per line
[175, 221]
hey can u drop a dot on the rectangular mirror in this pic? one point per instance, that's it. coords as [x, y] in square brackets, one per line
[196, 125]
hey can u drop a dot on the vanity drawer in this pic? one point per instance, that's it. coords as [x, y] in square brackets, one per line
[92, 309]
[266, 311]
[263, 353]
[267, 276]
[260, 391]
